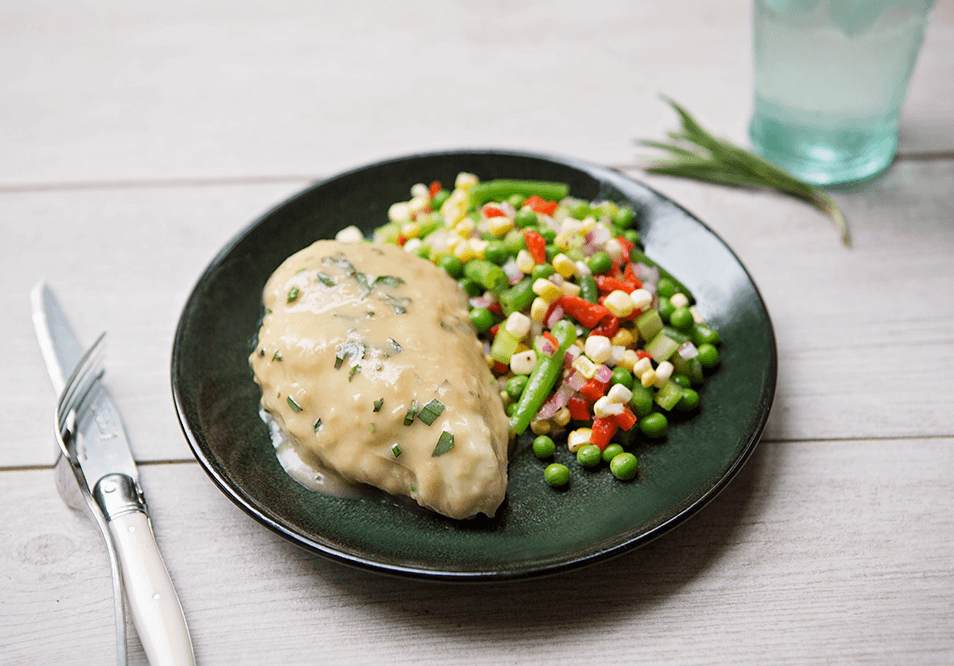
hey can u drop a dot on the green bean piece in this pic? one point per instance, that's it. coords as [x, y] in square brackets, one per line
[703, 333]
[518, 297]
[543, 447]
[556, 475]
[588, 289]
[502, 188]
[487, 274]
[544, 375]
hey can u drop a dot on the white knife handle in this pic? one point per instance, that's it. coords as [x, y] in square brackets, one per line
[153, 602]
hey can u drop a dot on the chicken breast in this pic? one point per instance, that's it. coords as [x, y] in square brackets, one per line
[368, 361]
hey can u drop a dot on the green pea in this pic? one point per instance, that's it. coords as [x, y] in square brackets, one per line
[516, 200]
[666, 287]
[611, 451]
[511, 408]
[496, 253]
[665, 308]
[525, 218]
[543, 447]
[642, 400]
[556, 474]
[580, 209]
[451, 265]
[622, 376]
[702, 333]
[439, 198]
[625, 217]
[632, 236]
[471, 287]
[514, 241]
[681, 318]
[589, 455]
[599, 262]
[624, 466]
[682, 380]
[542, 271]
[654, 425]
[552, 251]
[549, 235]
[689, 400]
[515, 386]
[424, 251]
[708, 355]
[482, 318]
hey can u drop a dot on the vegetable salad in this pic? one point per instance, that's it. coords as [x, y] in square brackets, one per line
[587, 336]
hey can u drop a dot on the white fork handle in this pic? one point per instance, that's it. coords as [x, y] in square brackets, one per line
[153, 602]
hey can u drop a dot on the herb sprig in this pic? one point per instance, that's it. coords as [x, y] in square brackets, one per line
[696, 154]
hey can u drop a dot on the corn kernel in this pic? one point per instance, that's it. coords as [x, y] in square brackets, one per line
[562, 241]
[455, 208]
[641, 366]
[541, 427]
[412, 245]
[499, 226]
[619, 303]
[465, 252]
[465, 181]
[562, 417]
[614, 249]
[641, 298]
[585, 366]
[696, 315]
[538, 309]
[505, 397]
[629, 360]
[663, 373]
[623, 337]
[605, 407]
[598, 348]
[546, 290]
[479, 246]
[582, 269]
[570, 288]
[564, 265]
[588, 224]
[518, 324]
[522, 363]
[525, 261]
[679, 300]
[349, 235]
[410, 229]
[619, 393]
[578, 438]
[648, 378]
[399, 212]
[616, 356]
[417, 204]
[420, 190]
[465, 227]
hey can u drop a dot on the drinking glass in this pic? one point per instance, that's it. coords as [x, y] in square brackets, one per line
[830, 81]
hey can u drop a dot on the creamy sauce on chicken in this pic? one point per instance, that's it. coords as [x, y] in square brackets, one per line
[369, 364]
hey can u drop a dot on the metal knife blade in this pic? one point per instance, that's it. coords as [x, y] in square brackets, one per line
[107, 477]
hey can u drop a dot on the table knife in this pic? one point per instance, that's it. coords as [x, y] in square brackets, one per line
[108, 480]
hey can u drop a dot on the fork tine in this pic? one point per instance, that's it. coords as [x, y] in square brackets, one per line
[76, 396]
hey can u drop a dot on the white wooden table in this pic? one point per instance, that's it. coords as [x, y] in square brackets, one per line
[136, 139]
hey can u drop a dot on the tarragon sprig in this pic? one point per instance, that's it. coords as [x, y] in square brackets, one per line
[696, 154]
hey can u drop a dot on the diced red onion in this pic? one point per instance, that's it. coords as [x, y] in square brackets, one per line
[514, 274]
[603, 374]
[570, 356]
[554, 317]
[687, 350]
[546, 346]
[646, 274]
[575, 380]
[480, 302]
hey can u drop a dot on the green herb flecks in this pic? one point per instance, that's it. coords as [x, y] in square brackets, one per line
[411, 413]
[294, 405]
[378, 404]
[696, 154]
[355, 369]
[398, 303]
[396, 450]
[373, 428]
[292, 294]
[325, 280]
[431, 411]
[444, 444]
[349, 349]
[317, 425]
[277, 356]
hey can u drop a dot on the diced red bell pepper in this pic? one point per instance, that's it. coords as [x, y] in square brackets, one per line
[497, 310]
[493, 211]
[606, 284]
[538, 204]
[593, 390]
[536, 246]
[626, 420]
[603, 430]
[607, 327]
[549, 336]
[642, 353]
[401, 240]
[492, 331]
[626, 245]
[629, 277]
[579, 408]
[434, 188]
[501, 368]
[588, 314]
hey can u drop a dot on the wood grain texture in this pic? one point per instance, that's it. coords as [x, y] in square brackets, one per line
[819, 552]
[116, 92]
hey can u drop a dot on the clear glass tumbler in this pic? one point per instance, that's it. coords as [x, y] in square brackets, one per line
[830, 81]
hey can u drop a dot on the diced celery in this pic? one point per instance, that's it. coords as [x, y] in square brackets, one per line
[688, 366]
[668, 395]
[661, 347]
[387, 233]
[505, 344]
[649, 324]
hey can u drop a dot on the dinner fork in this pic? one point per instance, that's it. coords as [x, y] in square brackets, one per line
[74, 401]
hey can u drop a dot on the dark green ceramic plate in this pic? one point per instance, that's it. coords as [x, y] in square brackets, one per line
[537, 530]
